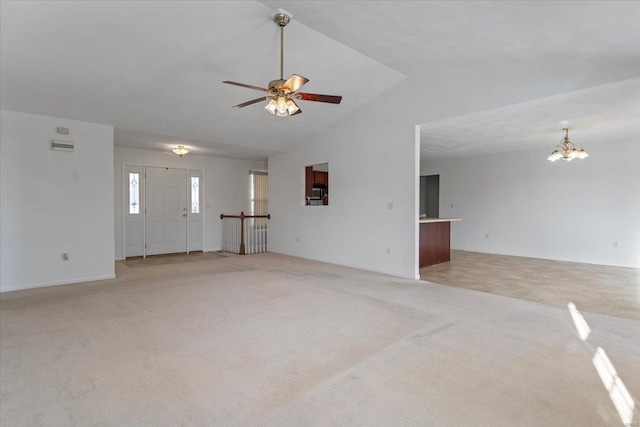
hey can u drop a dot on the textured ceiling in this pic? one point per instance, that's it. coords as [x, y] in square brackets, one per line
[602, 113]
[153, 69]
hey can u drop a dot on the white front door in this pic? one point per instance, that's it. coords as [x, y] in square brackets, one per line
[166, 217]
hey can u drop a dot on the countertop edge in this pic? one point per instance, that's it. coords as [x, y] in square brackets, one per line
[429, 220]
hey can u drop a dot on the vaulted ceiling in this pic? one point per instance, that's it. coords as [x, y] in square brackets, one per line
[154, 69]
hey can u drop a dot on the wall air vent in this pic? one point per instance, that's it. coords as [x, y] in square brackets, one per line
[62, 145]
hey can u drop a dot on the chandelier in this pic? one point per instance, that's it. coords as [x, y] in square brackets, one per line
[566, 150]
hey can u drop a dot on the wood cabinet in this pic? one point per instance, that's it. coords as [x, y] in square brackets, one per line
[434, 243]
[316, 182]
[308, 181]
[321, 178]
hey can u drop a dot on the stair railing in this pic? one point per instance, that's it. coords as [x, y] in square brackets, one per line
[251, 228]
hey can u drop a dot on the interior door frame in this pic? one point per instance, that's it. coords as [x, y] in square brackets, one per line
[124, 203]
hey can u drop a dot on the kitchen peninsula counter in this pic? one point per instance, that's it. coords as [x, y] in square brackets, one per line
[435, 240]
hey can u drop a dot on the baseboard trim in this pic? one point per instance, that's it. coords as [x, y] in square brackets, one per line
[536, 256]
[55, 283]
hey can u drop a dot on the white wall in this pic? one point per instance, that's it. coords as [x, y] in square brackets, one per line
[571, 211]
[373, 159]
[372, 162]
[54, 202]
[226, 187]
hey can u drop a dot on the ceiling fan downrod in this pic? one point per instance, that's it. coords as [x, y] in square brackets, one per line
[281, 19]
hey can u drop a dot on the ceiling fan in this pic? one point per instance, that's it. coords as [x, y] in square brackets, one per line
[281, 93]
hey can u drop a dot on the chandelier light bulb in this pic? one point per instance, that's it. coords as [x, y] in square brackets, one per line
[554, 156]
[574, 154]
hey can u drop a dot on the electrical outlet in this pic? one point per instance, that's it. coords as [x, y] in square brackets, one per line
[451, 205]
[615, 244]
[65, 256]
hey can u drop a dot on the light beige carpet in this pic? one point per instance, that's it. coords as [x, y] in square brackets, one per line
[173, 259]
[274, 340]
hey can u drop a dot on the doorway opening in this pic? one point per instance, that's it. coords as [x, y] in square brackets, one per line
[316, 185]
[430, 196]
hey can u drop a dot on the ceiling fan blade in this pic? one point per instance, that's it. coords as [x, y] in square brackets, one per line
[295, 82]
[297, 112]
[244, 85]
[332, 99]
[253, 101]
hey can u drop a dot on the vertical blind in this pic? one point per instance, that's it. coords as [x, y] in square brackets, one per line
[259, 193]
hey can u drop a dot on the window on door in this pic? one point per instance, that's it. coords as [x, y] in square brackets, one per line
[195, 194]
[134, 193]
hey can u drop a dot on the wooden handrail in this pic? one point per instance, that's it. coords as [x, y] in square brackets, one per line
[242, 217]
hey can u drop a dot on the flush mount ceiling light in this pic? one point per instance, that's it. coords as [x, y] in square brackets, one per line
[281, 93]
[180, 150]
[567, 150]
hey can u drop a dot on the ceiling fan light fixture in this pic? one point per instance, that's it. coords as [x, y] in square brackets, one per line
[278, 106]
[292, 107]
[271, 106]
[281, 107]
